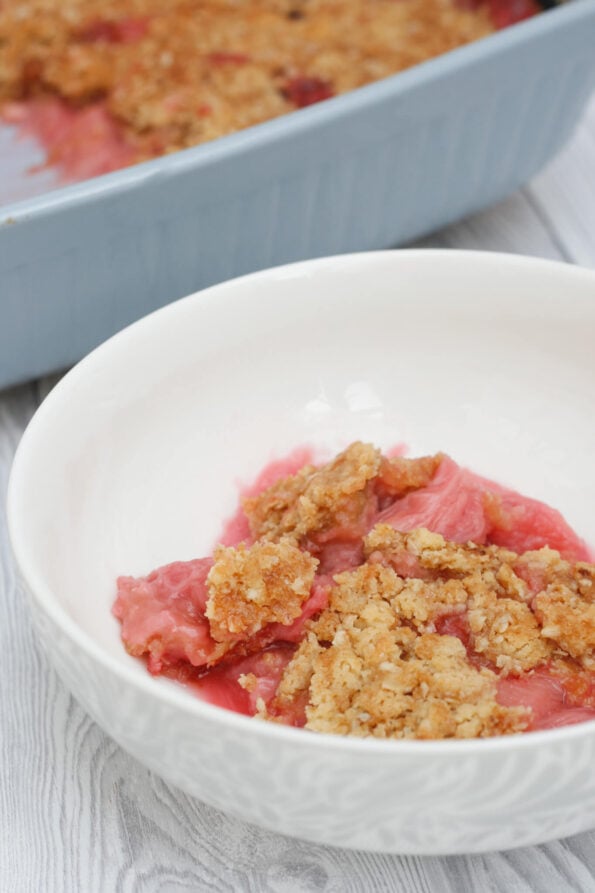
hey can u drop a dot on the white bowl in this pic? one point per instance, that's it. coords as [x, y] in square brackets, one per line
[133, 461]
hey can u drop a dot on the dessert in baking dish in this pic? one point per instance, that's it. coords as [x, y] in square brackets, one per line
[384, 597]
[107, 84]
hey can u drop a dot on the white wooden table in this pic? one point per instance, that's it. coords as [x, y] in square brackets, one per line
[78, 814]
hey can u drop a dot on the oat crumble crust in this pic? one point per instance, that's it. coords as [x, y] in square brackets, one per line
[502, 626]
[314, 500]
[523, 609]
[249, 588]
[368, 672]
[177, 74]
[374, 664]
[566, 611]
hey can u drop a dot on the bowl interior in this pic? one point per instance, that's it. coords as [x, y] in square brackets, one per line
[135, 459]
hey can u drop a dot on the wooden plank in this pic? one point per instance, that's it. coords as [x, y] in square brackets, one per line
[514, 226]
[565, 194]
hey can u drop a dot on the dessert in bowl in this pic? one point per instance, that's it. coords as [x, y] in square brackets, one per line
[135, 460]
[333, 602]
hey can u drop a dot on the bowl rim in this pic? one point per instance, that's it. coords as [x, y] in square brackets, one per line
[174, 696]
[299, 121]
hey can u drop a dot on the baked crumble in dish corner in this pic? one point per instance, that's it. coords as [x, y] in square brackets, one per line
[103, 85]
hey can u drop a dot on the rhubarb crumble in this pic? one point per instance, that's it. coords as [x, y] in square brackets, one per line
[107, 84]
[379, 596]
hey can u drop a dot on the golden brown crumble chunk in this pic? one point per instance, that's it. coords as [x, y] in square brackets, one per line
[368, 673]
[430, 555]
[339, 498]
[505, 631]
[566, 610]
[316, 499]
[249, 588]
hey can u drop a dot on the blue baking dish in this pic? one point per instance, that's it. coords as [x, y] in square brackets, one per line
[369, 169]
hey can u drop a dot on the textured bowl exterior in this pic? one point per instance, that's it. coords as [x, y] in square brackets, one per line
[422, 801]
[371, 169]
[131, 460]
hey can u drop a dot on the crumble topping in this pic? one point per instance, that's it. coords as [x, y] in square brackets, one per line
[177, 74]
[505, 631]
[373, 663]
[251, 587]
[368, 673]
[316, 499]
[338, 500]
[429, 555]
[521, 610]
[566, 610]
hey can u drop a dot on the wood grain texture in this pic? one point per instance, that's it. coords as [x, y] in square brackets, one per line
[78, 814]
